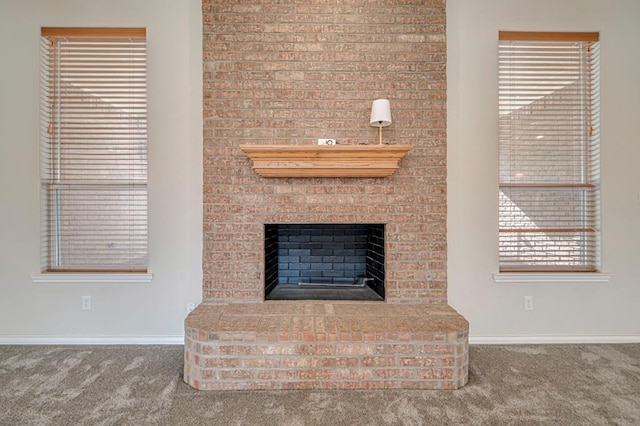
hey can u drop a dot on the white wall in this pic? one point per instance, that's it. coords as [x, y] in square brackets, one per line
[153, 311]
[577, 310]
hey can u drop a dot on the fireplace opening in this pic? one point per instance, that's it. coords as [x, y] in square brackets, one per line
[324, 261]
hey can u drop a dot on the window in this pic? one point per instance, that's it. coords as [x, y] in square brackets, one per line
[549, 152]
[93, 150]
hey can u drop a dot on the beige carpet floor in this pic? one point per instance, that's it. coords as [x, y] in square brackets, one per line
[142, 385]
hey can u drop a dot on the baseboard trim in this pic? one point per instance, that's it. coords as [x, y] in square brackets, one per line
[179, 340]
[92, 340]
[548, 340]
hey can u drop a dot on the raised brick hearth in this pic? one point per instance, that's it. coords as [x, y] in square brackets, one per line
[325, 345]
[287, 73]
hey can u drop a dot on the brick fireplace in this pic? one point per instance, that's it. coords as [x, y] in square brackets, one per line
[289, 73]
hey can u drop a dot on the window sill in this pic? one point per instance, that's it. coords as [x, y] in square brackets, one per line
[99, 277]
[546, 277]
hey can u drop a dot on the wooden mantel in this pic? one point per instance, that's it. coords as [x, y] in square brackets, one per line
[325, 160]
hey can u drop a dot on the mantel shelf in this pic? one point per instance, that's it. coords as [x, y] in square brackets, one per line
[325, 160]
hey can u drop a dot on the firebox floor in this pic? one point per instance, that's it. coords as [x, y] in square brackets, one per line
[323, 292]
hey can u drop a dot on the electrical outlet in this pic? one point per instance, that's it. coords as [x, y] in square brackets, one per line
[190, 307]
[327, 141]
[528, 303]
[86, 303]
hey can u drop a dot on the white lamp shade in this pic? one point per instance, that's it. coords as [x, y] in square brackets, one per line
[380, 113]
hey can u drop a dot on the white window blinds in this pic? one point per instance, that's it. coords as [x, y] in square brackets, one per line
[93, 149]
[549, 152]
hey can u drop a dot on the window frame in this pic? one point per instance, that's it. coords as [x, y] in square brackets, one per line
[108, 270]
[522, 273]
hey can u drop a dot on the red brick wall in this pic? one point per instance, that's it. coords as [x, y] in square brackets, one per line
[289, 72]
